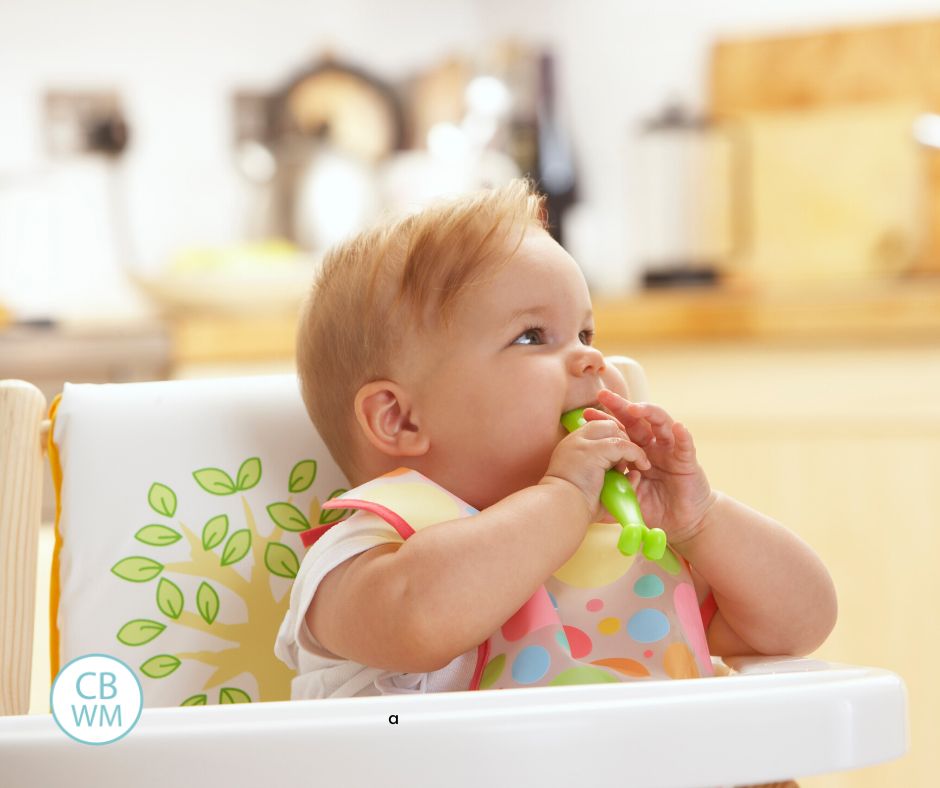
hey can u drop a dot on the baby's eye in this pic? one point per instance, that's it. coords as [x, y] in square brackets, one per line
[531, 336]
[586, 336]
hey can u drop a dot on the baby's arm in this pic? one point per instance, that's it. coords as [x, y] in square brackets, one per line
[774, 594]
[414, 607]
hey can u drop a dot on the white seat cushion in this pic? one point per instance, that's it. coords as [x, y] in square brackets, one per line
[169, 555]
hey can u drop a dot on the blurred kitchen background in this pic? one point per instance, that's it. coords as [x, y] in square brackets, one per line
[752, 190]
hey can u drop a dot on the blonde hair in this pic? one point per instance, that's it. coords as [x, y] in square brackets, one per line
[403, 274]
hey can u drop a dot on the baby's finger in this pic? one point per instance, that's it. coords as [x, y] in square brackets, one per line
[594, 414]
[622, 467]
[599, 428]
[685, 446]
[616, 404]
[639, 431]
[636, 426]
[620, 451]
[631, 453]
[660, 421]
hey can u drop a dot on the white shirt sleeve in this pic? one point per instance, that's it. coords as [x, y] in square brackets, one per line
[362, 531]
[322, 674]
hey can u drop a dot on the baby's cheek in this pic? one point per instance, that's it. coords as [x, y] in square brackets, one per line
[614, 380]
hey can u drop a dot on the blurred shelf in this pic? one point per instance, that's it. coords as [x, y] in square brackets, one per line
[847, 312]
[50, 354]
[201, 339]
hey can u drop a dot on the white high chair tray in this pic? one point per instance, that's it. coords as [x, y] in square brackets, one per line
[756, 726]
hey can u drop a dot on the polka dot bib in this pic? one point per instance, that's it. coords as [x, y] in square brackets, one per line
[602, 617]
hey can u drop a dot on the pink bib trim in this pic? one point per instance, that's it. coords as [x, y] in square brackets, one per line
[483, 656]
[708, 609]
[311, 535]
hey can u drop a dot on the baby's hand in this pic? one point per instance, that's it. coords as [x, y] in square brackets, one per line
[583, 457]
[673, 492]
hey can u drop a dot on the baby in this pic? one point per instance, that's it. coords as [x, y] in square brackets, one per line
[450, 343]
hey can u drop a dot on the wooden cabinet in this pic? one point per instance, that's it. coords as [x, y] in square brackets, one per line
[841, 102]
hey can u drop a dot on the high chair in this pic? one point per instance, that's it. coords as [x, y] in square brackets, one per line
[179, 509]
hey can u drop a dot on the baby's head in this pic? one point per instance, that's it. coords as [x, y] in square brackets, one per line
[450, 341]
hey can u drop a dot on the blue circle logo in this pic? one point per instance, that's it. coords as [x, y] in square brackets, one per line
[96, 699]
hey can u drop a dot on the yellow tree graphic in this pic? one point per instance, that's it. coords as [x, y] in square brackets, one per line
[213, 556]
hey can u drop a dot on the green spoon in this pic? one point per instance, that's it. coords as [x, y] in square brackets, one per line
[619, 498]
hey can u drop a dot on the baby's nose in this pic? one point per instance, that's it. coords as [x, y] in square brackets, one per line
[587, 360]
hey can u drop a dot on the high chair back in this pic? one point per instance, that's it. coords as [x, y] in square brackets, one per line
[180, 508]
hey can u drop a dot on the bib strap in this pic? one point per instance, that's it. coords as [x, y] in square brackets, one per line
[311, 535]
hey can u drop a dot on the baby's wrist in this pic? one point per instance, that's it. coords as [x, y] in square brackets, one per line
[689, 535]
[560, 482]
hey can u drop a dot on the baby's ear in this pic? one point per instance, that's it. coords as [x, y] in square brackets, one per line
[384, 413]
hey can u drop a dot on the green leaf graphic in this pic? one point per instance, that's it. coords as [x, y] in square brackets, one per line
[207, 602]
[195, 700]
[333, 515]
[281, 560]
[237, 547]
[139, 631]
[157, 535]
[233, 695]
[215, 481]
[249, 474]
[213, 532]
[160, 666]
[162, 499]
[137, 569]
[288, 517]
[169, 598]
[302, 476]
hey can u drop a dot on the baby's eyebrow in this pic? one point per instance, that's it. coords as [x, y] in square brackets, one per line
[538, 311]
